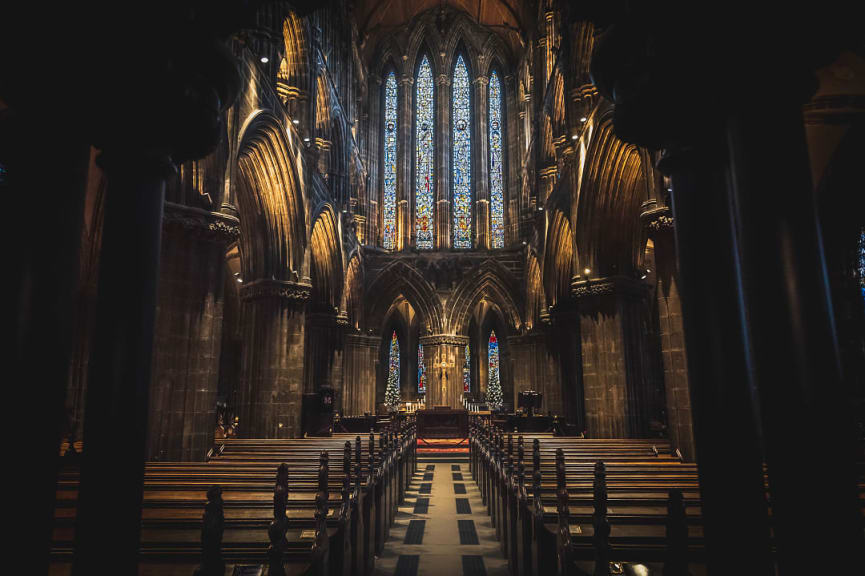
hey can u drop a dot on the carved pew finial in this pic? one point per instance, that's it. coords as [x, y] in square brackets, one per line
[279, 525]
[676, 561]
[601, 524]
[212, 529]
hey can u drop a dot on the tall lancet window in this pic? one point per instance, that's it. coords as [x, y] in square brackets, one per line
[461, 121]
[497, 183]
[391, 392]
[421, 370]
[424, 101]
[390, 126]
[467, 372]
[494, 385]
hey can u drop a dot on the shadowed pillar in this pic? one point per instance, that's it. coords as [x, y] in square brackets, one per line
[272, 364]
[188, 334]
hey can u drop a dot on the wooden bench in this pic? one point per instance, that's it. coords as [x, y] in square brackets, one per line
[339, 490]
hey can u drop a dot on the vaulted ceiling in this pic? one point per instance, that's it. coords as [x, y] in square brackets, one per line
[376, 18]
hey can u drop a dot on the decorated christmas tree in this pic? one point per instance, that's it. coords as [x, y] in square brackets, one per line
[494, 386]
[391, 392]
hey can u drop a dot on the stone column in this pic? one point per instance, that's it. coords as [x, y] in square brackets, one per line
[375, 180]
[482, 164]
[564, 331]
[659, 224]
[450, 350]
[323, 352]
[272, 362]
[359, 365]
[611, 353]
[405, 154]
[535, 368]
[188, 334]
[443, 224]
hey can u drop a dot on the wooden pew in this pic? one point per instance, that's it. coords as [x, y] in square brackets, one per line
[244, 470]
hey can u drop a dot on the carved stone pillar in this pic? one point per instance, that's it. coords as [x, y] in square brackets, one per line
[535, 368]
[272, 362]
[658, 222]
[359, 366]
[564, 339]
[444, 356]
[323, 352]
[548, 182]
[482, 164]
[611, 354]
[188, 332]
[405, 154]
[443, 224]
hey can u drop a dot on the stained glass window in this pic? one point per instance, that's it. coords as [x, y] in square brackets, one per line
[391, 392]
[494, 385]
[497, 195]
[862, 262]
[390, 126]
[421, 370]
[461, 118]
[467, 372]
[424, 155]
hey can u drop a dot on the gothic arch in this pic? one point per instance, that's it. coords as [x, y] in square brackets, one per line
[270, 201]
[294, 78]
[326, 261]
[491, 281]
[558, 259]
[536, 300]
[460, 38]
[613, 187]
[397, 279]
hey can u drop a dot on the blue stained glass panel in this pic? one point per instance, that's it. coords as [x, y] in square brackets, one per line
[461, 119]
[424, 155]
[390, 127]
[467, 372]
[497, 195]
[421, 370]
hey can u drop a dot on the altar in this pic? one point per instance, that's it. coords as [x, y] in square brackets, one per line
[442, 422]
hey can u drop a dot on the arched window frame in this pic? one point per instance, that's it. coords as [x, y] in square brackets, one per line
[423, 55]
[496, 71]
[392, 242]
[462, 55]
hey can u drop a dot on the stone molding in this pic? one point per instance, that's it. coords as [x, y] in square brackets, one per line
[657, 219]
[609, 286]
[209, 226]
[444, 339]
[281, 289]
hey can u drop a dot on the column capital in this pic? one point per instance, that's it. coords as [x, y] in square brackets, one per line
[481, 81]
[204, 224]
[443, 80]
[406, 80]
[609, 286]
[656, 218]
[282, 289]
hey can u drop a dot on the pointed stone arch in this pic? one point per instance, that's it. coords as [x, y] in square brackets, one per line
[270, 201]
[490, 281]
[400, 278]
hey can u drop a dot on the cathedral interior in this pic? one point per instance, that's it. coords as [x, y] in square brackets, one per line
[604, 260]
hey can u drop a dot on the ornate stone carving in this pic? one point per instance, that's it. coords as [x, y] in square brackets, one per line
[612, 285]
[444, 339]
[294, 291]
[207, 225]
[657, 219]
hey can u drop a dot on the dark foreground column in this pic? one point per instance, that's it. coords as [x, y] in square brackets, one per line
[109, 500]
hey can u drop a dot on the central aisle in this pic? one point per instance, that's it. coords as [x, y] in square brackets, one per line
[442, 528]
